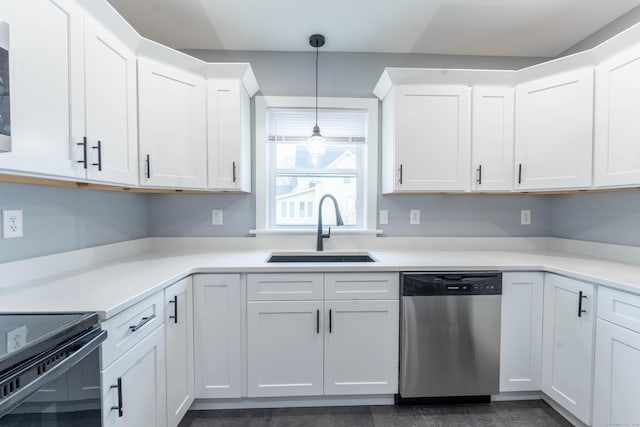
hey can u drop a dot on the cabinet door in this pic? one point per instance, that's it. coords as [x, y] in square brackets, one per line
[217, 335]
[47, 89]
[179, 346]
[284, 348]
[361, 347]
[521, 331]
[554, 131]
[229, 138]
[492, 138]
[617, 128]
[567, 343]
[141, 372]
[173, 127]
[111, 107]
[617, 379]
[432, 138]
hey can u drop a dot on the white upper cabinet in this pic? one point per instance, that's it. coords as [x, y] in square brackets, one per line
[554, 125]
[111, 107]
[173, 126]
[617, 128]
[47, 89]
[229, 135]
[492, 138]
[426, 138]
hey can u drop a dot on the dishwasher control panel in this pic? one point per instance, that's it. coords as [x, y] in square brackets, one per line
[450, 283]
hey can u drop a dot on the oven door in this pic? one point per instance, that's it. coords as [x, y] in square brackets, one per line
[60, 387]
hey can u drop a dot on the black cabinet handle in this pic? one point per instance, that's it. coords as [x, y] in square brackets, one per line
[84, 150]
[519, 173]
[142, 322]
[400, 180]
[317, 321]
[174, 301]
[330, 322]
[580, 310]
[479, 180]
[234, 171]
[148, 167]
[119, 407]
[99, 148]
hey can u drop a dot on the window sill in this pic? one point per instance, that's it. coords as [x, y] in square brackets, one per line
[308, 232]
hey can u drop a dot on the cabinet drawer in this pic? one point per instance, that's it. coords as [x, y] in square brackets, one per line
[619, 307]
[361, 286]
[129, 327]
[285, 287]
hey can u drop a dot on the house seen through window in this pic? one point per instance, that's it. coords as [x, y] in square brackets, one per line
[299, 177]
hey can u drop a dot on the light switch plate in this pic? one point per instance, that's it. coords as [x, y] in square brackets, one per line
[414, 216]
[12, 225]
[525, 217]
[17, 338]
[216, 217]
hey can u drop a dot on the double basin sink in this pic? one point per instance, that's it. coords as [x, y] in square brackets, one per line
[319, 257]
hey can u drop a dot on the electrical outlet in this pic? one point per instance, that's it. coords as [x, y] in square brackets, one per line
[11, 224]
[384, 217]
[414, 216]
[525, 217]
[216, 217]
[16, 338]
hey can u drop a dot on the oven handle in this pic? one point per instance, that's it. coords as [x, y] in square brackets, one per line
[89, 342]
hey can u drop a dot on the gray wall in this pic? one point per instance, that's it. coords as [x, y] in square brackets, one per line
[599, 217]
[58, 219]
[614, 27]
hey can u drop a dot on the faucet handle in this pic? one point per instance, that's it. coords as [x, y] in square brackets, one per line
[327, 235]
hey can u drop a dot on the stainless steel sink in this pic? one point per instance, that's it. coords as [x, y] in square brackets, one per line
[320, 257]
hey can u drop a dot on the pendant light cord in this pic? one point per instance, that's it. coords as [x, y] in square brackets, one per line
[317, 48]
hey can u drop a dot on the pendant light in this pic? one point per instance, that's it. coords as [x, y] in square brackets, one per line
[316, 143]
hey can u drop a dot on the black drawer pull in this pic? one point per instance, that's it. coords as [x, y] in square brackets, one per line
[580, 310]
[84, 152]
[317, 321]
[143, 322]
[174, 301]
[330, 322]
[99, 148]
[119, 407]
[519, 173]
[148, 166]
[400, 174]
[234, 171]
[479, 180]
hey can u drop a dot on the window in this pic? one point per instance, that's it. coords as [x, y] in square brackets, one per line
[288, 172]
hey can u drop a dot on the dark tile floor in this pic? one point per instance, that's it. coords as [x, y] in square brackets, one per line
[503, 414]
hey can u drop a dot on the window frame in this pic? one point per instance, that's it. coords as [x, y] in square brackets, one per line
[370, 167]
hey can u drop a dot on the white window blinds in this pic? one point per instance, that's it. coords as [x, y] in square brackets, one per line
[294, 124]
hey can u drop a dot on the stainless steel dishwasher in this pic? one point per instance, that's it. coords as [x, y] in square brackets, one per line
[450, 334]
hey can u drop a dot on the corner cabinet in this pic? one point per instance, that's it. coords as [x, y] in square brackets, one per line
[426, 138]
[554, 131]
[217, 340]
[617, 128]
[492, 138]
[179, 349]
[229, 136]
[521, 331]
[341, 339]
[173, 126]
[567, 346]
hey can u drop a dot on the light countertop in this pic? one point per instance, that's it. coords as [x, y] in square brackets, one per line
[111, 287]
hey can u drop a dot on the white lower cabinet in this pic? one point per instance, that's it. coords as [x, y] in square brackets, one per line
[361, 347]
[521, 331]
[617, 378]
[179, 349]
[567, 347]
[317, 346]
[284, 348]
[133, 387]
[217, 335]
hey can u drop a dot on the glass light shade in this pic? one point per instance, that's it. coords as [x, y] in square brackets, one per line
[316, 145]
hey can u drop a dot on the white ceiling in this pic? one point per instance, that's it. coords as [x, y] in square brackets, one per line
[543, 28]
